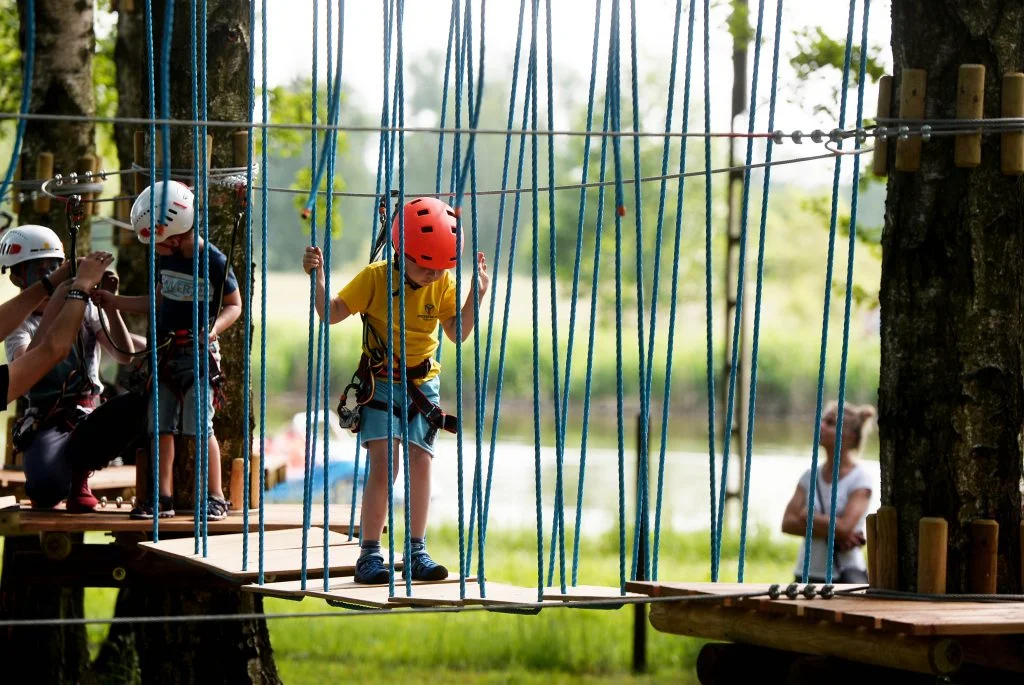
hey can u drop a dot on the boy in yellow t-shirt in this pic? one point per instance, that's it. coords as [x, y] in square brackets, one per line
[431, 250]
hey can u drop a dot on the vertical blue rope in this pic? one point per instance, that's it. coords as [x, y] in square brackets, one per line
[389, 259]
[264, 163]
[247, 304]
[194, 44]
[155, 494]
[833, 221]
[310, 446]
[474, 110]
[667, 392]
[716, 536]
[26, 90]
[594, 293]
[760, 282]
[640, 522]
[851, 250]
[535, 211]
[204, 214]
[741, 268]
[444, 103]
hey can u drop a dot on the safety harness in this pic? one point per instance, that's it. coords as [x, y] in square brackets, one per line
[374, 364]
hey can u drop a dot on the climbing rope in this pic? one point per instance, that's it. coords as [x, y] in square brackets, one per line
[26, 94]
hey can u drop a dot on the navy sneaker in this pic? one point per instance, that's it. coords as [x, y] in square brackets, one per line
[423, 567]
[145, 510]
[216, 508]
[371, 570]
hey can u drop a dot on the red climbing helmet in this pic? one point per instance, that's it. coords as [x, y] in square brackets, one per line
[430, 235]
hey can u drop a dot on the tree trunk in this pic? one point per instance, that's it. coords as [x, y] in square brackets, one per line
[951, 401]
[227, 651]
[62, 84]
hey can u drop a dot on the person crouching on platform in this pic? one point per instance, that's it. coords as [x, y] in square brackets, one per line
[431, 251]
[176, 242]
[57, 466]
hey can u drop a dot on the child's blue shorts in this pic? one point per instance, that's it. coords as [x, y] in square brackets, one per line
[177, 397]
[373, 423]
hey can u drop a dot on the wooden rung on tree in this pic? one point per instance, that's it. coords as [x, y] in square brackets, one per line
[240, 148]
[880, 164]
[1013, 106]
[984, 556]
[912, 94]
[16, 194]
[932, 542]
[139, 157]
[970, 104]
[887, 566]
[871, 536]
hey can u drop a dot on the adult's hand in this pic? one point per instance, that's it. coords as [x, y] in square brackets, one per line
[90, 270]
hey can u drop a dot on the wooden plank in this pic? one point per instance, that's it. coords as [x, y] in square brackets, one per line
[110, 478]
[979, 621]
[276, 517]
[449, 594]
[582, 593]
[8, 502]
[292, 589]
[281, 557]
[346, 592]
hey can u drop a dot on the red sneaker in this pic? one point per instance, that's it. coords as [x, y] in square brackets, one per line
[81, 499]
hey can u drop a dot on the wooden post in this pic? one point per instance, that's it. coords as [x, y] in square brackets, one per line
[16, 192]
[98, 166]
[240, 148]
[887, 566]
[870, 532]
[884, 111]
[912, 91]
[1013, 106]
[255, 494]
[970, 104]
[932, 542]
[44, 170]
[236, 493]
[984, 556]
[158, 147]
[139, 156]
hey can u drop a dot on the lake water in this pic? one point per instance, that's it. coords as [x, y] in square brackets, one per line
[781, 454]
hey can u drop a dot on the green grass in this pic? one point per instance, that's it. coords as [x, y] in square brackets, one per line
[557, 646]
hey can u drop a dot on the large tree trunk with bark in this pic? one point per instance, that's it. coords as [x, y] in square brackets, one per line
[951, 400]
[62, 84]
[227, 651]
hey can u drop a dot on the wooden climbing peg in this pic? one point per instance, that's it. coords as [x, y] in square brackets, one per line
[97, 167]
[932, 542]
[872, 548]
[984, 556]
[970, 104]
[912, 92]
[1013, 106]
[236, 493]
[880, 163]
[887, 566]
[139, 156]
[240, 148]
[44, 170]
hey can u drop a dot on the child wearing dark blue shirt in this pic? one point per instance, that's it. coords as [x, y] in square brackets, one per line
[176, 242]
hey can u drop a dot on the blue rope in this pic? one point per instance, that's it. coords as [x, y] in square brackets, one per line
[247, 304]
[502, 346]
[640, 522]
[577, 264]
[667, 392]
[593, 329]
[614, 95]
[765, 192]
[194, 16]
[264, 233]
[463, 73]
[444, 103]
[851, 249]
[716, 537]
[310, 447]
[26, 91]
[148, 21]
[741, 268]
[535, 211]
[833, 220]
[474, 110]
[204, 446]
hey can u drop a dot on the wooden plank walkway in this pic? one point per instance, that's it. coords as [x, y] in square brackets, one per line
[110, 478]
[26, 520]
[908, 617]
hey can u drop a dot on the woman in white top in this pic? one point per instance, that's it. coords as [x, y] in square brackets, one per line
[852, 498]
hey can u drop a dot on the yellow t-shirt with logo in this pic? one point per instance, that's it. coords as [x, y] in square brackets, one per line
[425, 307]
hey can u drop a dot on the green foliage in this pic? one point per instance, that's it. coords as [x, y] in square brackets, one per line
[739, 22]
[821, 56]
[11, 68]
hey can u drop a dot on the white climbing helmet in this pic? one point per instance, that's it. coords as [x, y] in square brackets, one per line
[179, 214]
[29, 242]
